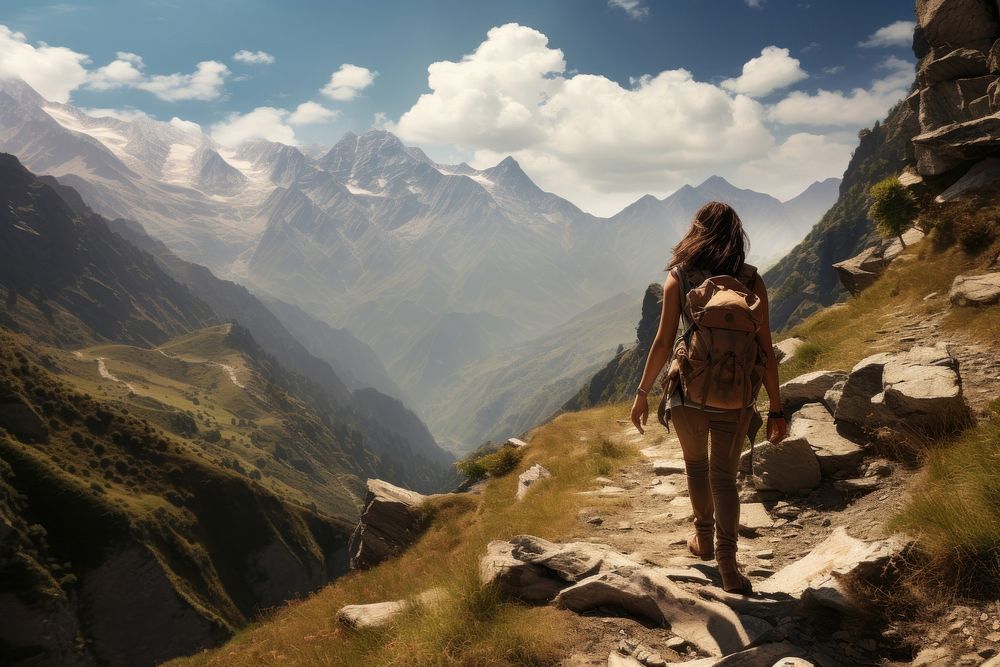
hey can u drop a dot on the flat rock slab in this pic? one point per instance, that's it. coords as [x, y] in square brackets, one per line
[668, 489]
[981, 290]
[648, 593]
[809, 388]
[379, 614]
[606, 490]
[618, 660]
[570, 561]
[837, 455]
[669, 467]
[678, 509]
[759, 656]
[752, 605]
[660, 452]
[819, 574]
[753, 517]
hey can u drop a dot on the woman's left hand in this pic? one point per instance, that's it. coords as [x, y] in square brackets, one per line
[640, 412]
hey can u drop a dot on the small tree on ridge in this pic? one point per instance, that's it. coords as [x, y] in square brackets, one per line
[893, 208]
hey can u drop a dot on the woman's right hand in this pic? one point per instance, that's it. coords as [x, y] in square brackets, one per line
[777, 429]
[640, 412]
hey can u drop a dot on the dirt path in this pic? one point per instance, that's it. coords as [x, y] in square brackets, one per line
[102, 368]
[649, 519]
[230, 370]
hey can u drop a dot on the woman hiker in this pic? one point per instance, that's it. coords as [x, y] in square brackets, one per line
[714, 330]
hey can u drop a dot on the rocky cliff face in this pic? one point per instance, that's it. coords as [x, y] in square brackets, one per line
[958, 84]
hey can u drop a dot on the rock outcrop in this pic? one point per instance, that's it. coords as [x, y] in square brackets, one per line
[379, 614]
[789, 466]
[919, 389]
[821, 576]
[647, 593]
[391, 520]
[837, 456]
[530, 477]
[861, 271]
[956, 100]
[981, 290]
[808, 388]
[785, 350]
[583, 576]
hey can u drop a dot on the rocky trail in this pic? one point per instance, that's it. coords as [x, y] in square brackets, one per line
[805, 551]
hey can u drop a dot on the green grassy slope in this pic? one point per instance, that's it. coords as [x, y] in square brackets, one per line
[126, 543]
[230, 406]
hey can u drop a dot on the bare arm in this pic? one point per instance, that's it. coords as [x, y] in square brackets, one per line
[659, 351]
[775, 430]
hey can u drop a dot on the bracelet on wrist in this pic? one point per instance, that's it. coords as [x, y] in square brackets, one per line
[641, 392]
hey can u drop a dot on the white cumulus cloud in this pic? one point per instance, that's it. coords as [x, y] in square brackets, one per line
[801, 159]
[127, 71]
[581, 135]
[899, 33]
[348, 81]
[311, 112]
[54, 71]
[253, 57]
[634, 8]
[772, 70]
[262, 123]
[860, 107]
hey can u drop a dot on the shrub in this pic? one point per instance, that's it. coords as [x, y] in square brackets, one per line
[893, 208]
[976, 232]
[494, 464]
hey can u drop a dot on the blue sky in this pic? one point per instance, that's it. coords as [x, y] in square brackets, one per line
[558, 140]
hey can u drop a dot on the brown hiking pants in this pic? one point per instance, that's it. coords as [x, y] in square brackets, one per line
[711, 472]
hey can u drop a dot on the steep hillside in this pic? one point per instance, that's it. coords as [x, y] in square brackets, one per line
[804, 280]
[124, 544]
[68, 279]
[329, 350]
[216, 388]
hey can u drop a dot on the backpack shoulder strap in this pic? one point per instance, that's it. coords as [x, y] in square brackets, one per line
[748, 276]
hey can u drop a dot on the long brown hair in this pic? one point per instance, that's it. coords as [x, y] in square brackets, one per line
[715, 242]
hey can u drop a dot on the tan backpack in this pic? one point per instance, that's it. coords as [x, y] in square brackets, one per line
[717, 362]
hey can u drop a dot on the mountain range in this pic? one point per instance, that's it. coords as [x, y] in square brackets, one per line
[436, 267]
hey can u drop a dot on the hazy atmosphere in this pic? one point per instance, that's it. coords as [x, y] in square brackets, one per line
[340, 333]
